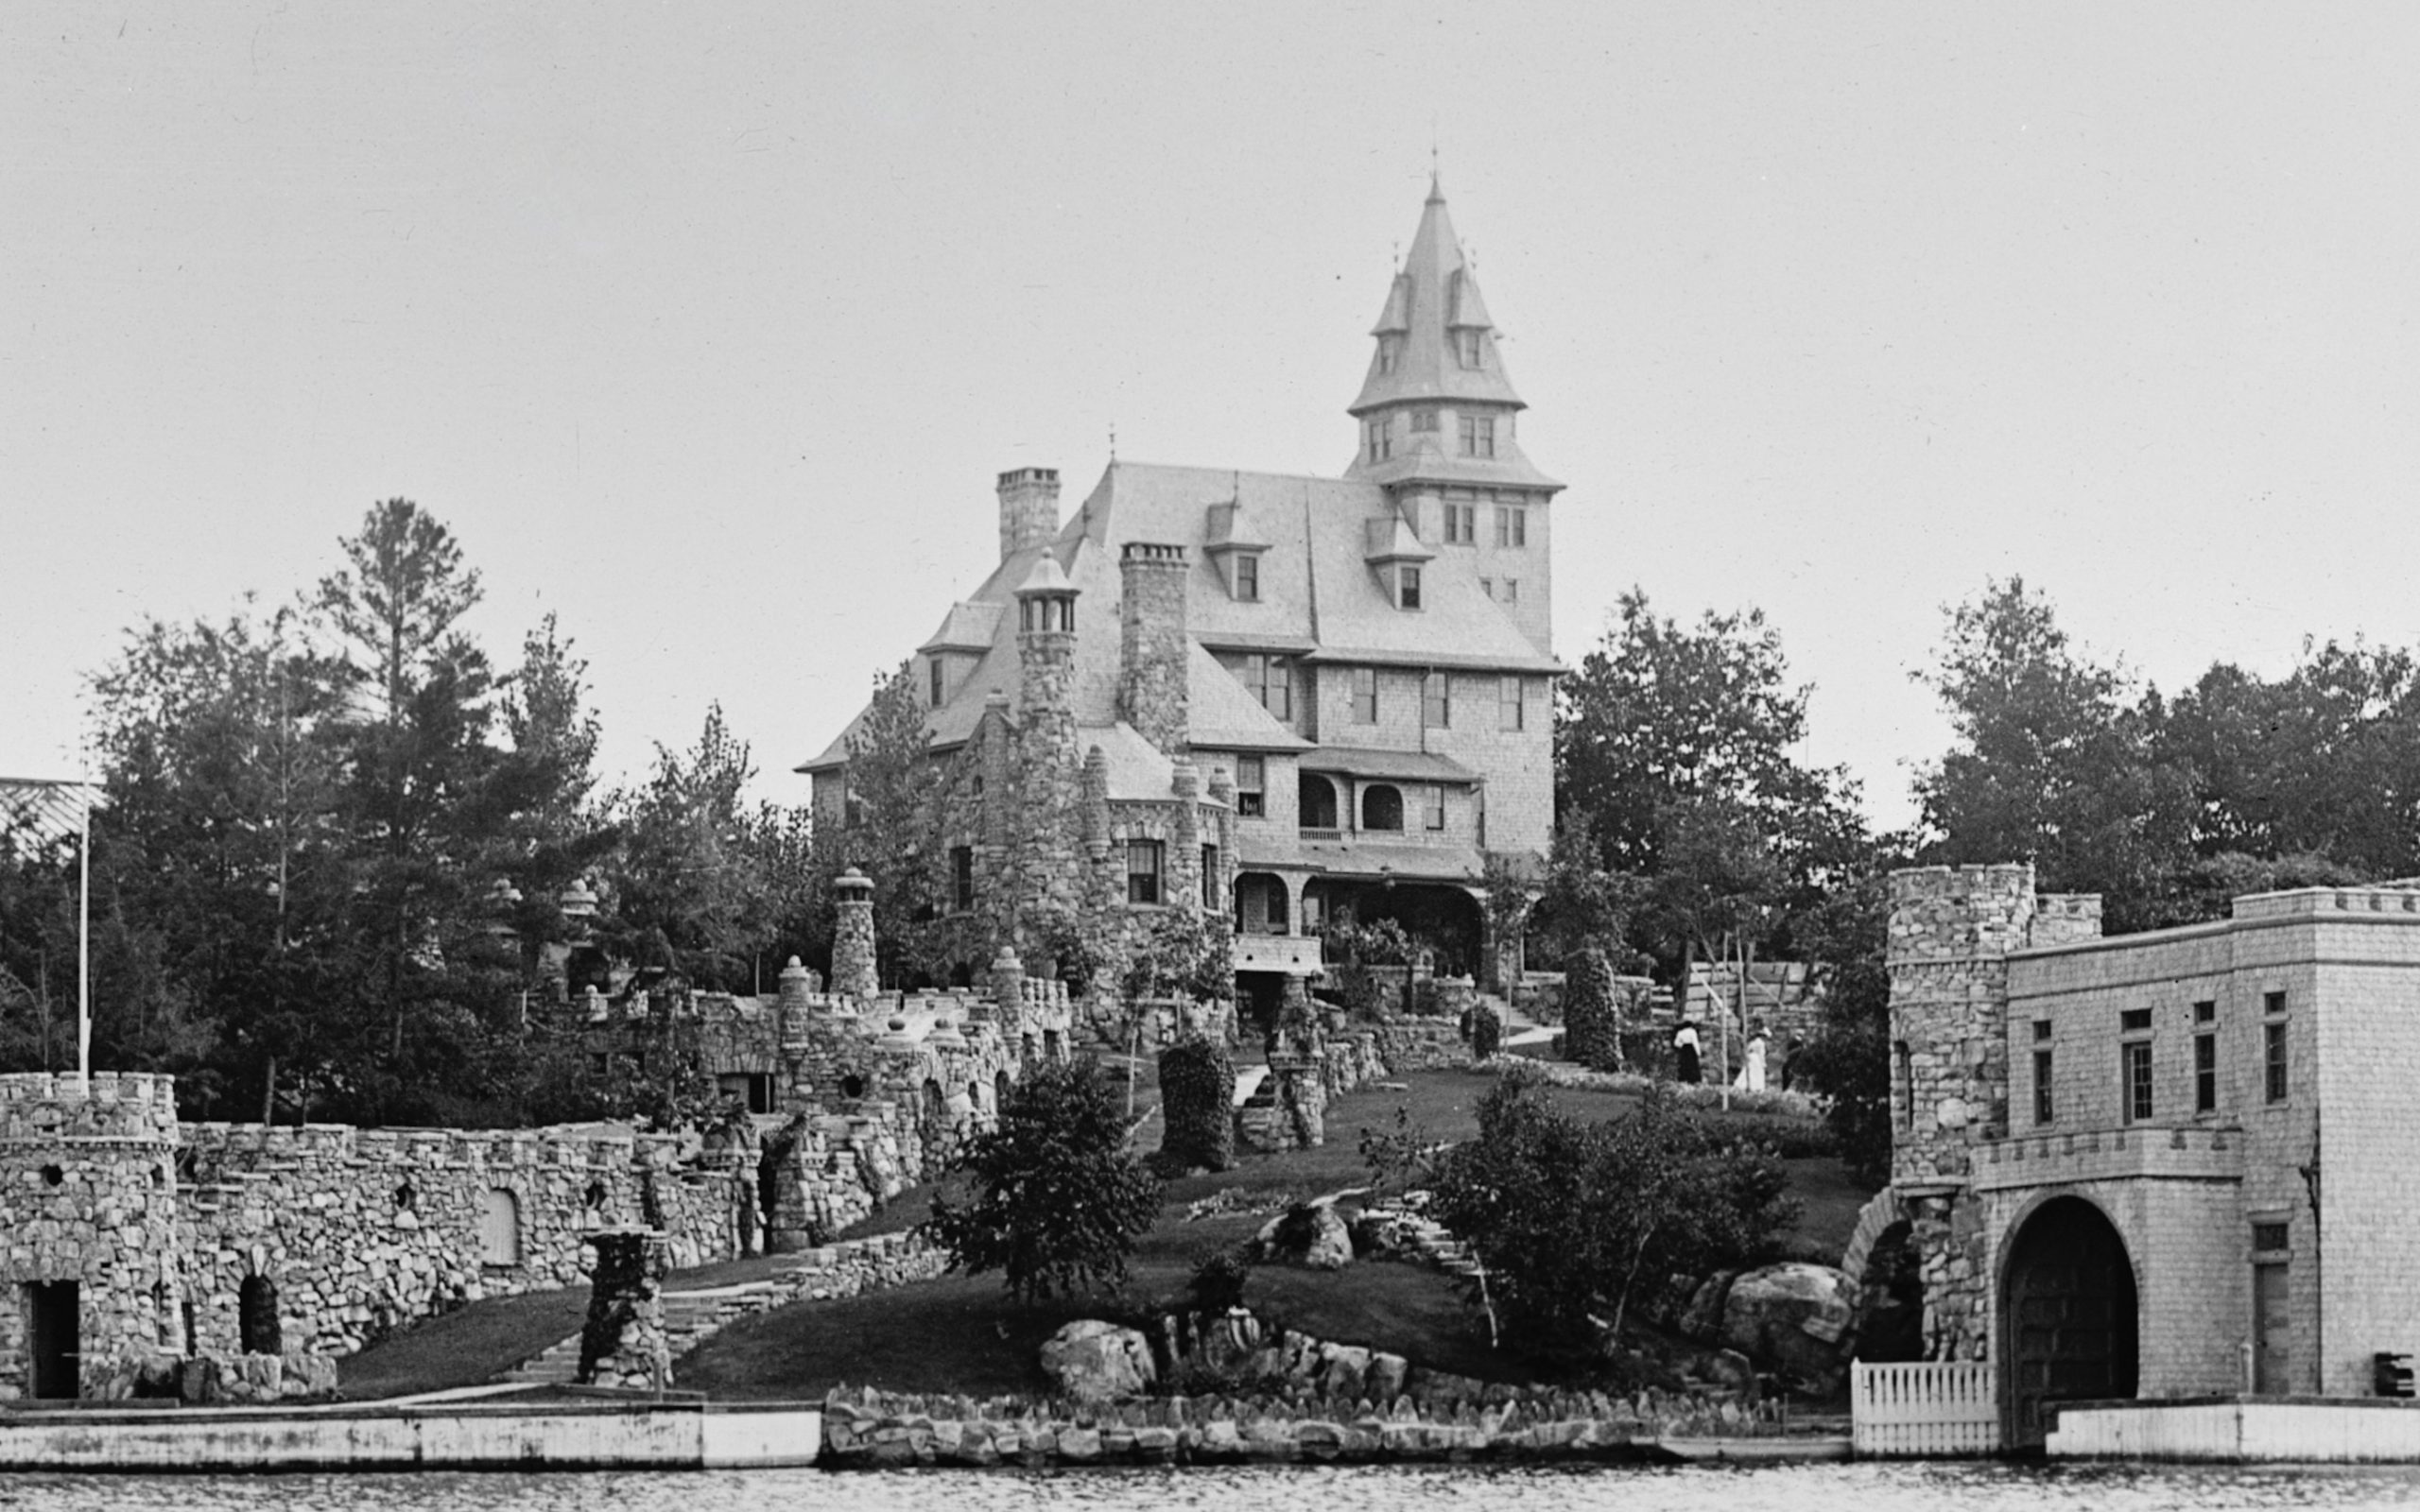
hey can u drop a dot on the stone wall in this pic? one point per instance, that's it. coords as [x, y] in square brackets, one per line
[358, 1231]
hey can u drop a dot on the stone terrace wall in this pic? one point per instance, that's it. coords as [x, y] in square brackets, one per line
[361, 1230]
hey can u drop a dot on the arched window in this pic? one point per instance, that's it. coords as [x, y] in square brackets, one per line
[1319, 802]
[1381, 807]
[500, 1228]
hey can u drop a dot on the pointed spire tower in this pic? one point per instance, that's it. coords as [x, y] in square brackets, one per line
[1439, 427]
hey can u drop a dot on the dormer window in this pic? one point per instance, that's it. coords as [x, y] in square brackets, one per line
[1374, 434]
[1390, 348]
[1407, 586]
[1248, 577]
[1470, 348]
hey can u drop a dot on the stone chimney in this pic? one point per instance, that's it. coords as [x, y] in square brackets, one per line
[1029, 509]
[1152, 643]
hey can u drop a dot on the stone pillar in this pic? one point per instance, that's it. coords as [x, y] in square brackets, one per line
[624, 1343]
[1008, 991]
[1152, 646]
[853, 963]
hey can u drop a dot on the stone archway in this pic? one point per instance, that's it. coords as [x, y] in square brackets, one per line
[2068, 1324]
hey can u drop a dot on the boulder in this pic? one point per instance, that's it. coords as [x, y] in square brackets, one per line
[1093, 1361]
[1701, 1319]
[1791, 1316]
[1312, 1234]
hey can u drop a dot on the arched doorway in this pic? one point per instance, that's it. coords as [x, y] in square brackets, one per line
[2068, 1329]
[1316, 797]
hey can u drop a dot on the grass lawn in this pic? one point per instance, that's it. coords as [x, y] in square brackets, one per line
[961, 1333]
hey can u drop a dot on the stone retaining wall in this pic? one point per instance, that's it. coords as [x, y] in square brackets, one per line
[870, 1431]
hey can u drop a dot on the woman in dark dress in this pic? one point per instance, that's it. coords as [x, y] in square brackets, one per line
[1685, 1053]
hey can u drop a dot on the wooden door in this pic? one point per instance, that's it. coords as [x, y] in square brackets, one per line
[2272, 1331]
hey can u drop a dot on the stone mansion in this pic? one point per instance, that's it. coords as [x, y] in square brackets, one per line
[1281, 699]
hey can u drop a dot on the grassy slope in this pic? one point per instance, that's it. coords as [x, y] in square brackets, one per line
[960, 1333]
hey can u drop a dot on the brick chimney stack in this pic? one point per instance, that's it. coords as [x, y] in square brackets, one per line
[1029, 509]
[1152, 643]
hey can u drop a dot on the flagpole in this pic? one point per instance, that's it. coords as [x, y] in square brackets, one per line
[84, 939]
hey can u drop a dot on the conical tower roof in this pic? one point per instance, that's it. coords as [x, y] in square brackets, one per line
[1433, 298]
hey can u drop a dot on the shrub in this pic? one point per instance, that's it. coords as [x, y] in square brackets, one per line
[1568, 1216]
[1218, 1283]
[1591, 1027]
[1196, 1099]
[1487, 1034]
[1058, 1199]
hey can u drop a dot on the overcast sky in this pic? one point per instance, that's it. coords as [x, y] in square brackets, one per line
[708, 326]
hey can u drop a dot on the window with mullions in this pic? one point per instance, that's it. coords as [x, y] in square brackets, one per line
[2135, 1084]
[2206, 1058]
[1365, 696]
[1374, 433]
[1461, 523]
[1435, 806]
[1511, 526]
[1512, 708]
[1436, 702]
[1477, 435]
[1248, 577]
[1251, 787]
[1423, 420]
[1143, 871]
[1271, 681]
[2042, 1107]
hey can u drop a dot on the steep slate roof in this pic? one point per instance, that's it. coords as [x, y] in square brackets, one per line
[1432, 295]
[1313, 525]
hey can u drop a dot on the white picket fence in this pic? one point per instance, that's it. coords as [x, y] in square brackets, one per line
[1925, 1407]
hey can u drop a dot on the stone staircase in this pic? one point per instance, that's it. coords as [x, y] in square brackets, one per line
[694, 1316]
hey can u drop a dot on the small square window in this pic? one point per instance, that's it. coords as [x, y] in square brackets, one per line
[2134, 1020]
[2041, 1029]
[2273, 1003]
[2269, 1236]
[1487, 585]
[2205, 1012]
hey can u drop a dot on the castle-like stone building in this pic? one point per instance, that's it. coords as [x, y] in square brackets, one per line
[2167, 1164]
[1274, 698]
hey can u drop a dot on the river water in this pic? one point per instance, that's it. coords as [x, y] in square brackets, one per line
[1864, 1488]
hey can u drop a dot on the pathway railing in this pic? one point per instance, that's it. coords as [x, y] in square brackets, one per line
[1925, 1407]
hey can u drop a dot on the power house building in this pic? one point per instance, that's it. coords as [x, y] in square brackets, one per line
[2162, 1165]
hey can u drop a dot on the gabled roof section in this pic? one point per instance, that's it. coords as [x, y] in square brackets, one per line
[1232, 529]
[1433, 296]
[1223, 713]
[967, 627]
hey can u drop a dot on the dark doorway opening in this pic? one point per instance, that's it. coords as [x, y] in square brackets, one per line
[2067, 1317]
[54, 1318]
[1892, 1309]
[256, 1316]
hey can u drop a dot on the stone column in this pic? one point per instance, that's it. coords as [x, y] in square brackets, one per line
[853, 963]
[624, 1343]
[1008, 991]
